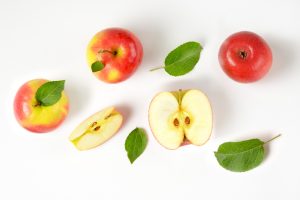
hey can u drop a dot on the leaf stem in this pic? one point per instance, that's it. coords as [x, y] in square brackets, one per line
[38, 103]
[277, 136]
[157, 68]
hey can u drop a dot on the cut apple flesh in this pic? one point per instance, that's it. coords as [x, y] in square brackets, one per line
[97, 129]
[162, 115]
[177, 118]
[196, 104]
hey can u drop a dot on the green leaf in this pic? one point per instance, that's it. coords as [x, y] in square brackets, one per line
[241, 156]
[49, 93]
[97, 66]
[135, 144]
[183, 59]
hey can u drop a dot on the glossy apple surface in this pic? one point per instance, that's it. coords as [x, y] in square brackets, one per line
[245, 57]
[119, 50]
[34, 117]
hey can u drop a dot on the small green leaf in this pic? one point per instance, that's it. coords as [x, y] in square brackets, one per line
[97, 66]
[49, 93]
[183, 59]
[241, 156]
[135, 144]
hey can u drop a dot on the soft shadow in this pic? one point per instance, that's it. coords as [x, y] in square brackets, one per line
[126, 111]
[284, 54]
[155, 40]
[79, 96]
[222, 113]
[152, 36]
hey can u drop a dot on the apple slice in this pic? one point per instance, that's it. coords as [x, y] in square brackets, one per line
[97, 129]
[178, 118]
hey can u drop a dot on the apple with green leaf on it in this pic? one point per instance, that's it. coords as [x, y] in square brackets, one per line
[114, 54]
[181, 117]
[40, 105]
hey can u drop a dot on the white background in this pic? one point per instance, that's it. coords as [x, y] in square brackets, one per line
[48, 39]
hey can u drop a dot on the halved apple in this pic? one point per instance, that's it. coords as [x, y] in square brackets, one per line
[178, 118]
[97, 129]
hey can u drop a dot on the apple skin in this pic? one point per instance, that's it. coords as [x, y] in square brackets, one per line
[126, 56]
[245, 57]
[38, 119]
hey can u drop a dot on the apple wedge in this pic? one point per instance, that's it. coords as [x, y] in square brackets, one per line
[97, 129]
[179, 118]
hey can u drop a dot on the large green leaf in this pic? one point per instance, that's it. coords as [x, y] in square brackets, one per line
[183, 59]
[49, 93]
[240, 156]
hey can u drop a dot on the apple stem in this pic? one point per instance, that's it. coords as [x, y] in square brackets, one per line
[108, 51]
[157, 68]
[243, 54]
[277, 136]
[37, 104]
[179, 96]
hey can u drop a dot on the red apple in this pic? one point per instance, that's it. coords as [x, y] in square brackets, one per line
[32, 115]
[245, 57]
[119, 51]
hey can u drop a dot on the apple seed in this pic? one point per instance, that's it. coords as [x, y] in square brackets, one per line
[176, 122]
[97, 128]
[187, 120]
[93, 124]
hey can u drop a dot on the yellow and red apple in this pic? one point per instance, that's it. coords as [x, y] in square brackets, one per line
[119, 51]
[32, 115]
[180, 118]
